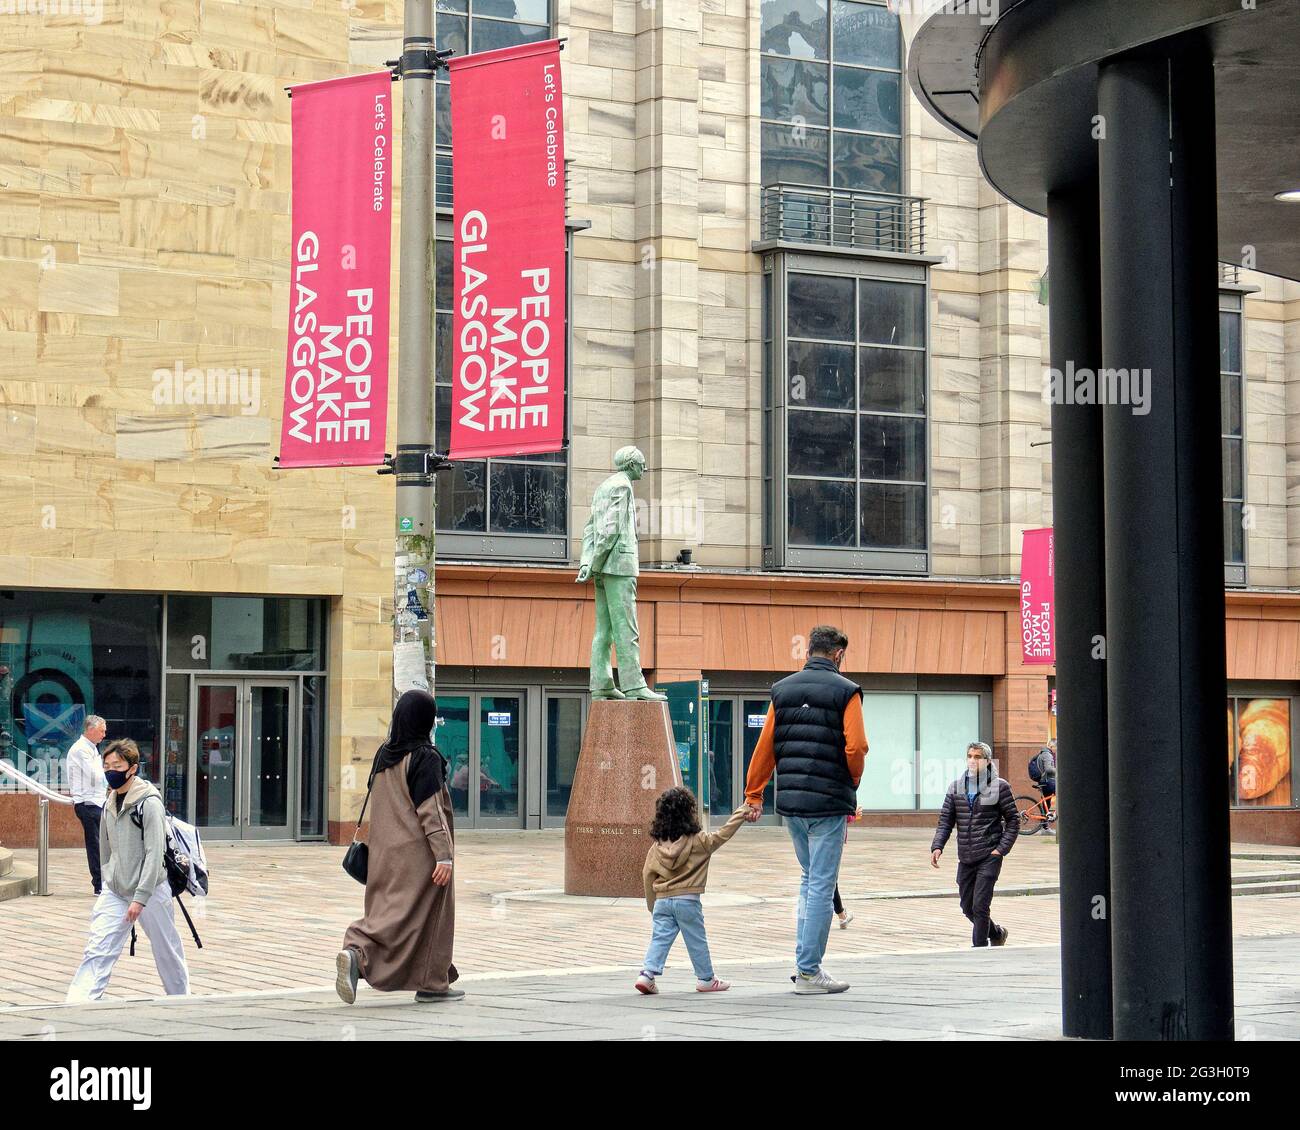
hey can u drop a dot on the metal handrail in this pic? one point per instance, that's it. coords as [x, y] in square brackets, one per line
[842, 217]
[45, 795]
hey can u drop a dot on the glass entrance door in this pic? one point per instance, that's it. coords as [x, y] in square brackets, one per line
[735, 723]
[244, 745]
[481, 735]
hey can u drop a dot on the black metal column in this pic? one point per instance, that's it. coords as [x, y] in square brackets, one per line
[1171, 931]
[1078, 520]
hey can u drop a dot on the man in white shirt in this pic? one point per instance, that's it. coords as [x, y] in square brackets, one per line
[88, 787]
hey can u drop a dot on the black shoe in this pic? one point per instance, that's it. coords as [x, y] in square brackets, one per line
[999, 936]
[423, 997]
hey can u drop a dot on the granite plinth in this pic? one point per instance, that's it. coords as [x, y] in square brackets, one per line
[628, 758]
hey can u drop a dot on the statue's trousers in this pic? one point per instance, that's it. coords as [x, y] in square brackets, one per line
[616, 624]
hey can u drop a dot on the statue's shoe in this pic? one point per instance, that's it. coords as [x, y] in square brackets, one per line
[645, 694]
[607, 692]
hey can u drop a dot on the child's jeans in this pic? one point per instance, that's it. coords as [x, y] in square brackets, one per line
[683, 913]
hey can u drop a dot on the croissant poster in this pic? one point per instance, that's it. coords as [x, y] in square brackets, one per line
[1037, 591]
[509, 263]
[1259, 751]
[336, 370]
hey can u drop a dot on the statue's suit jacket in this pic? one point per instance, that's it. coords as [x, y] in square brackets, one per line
[609, 539]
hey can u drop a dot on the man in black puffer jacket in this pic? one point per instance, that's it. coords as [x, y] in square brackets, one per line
[980, 806]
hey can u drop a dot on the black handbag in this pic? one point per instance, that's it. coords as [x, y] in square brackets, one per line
[356, 860]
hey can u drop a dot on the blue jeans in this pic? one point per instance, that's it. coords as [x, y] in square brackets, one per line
[818, 844]
[684, 914]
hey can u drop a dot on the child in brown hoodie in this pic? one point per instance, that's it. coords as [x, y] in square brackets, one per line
[675, 873]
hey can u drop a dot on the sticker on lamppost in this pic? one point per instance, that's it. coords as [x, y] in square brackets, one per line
[405, 525]
[409, 672]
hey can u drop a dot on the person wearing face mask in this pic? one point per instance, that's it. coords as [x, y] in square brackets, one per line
[814, 740]
[132, 840]
[980, 806]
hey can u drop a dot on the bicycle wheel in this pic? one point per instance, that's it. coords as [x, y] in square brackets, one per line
[1031, 815]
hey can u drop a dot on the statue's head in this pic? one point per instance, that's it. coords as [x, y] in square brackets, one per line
[630, 461]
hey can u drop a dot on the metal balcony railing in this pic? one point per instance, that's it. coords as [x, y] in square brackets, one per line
[839, 217]
[1229, 273]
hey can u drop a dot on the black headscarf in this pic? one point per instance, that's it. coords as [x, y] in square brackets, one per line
[411, 732]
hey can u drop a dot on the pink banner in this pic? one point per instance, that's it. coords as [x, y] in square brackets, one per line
[508, 327]
[1037, 592]
[336, 371]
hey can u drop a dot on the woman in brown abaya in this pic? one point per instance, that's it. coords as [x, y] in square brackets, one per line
[404, 939]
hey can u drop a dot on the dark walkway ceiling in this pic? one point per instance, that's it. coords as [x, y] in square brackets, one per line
[1025, 88]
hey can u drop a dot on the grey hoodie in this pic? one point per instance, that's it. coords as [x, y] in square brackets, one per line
[131, 858]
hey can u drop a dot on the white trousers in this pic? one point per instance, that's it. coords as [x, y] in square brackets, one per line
[109, 932]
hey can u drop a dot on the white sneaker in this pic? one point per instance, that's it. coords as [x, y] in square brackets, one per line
[844, 922]
[646, 984]
[817, 983]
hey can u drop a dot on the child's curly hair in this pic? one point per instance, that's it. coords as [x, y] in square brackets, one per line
[676, 815]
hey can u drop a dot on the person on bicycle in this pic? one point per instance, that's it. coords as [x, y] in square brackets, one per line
[1043, 769]
[980, 806]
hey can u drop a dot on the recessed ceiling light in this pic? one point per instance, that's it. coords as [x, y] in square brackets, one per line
[1290, 196]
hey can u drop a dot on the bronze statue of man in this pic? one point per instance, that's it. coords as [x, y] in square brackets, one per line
[609, 558]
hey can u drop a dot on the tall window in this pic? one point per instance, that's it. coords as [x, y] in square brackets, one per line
[848, 383]
[1234, 444]
[831, 77]
[486, 505]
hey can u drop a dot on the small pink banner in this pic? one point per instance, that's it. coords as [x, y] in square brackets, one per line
[336, 370]
[1037, 593]
[507, 120]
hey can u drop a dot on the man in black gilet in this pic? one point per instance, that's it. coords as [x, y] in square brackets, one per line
[814, 739]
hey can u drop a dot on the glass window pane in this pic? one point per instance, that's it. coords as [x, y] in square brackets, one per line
[767, 307]
[442, 179]
[892, 380]
[451, 736]
[245, 633]
[893, 516]
[821, 513]
[722, 757]
[489, 35]
[452, 5]
[867, 34]
[1229, 342]
[528, 498]
[893, 447]
[820, 306]
[949, 722]
[795, 27]
[867, 100]
[889, 774]
[820, 376]
[892, 313]
[500, 724]
[1230, 404]
[311, 815]
[1234, 537]
[442, 423]
[442, 113]
[444, 276]
[462, 503]
[451, 33]
[795, 160]
[1232, 474]
[868, 163]
[795, 90]
[175, 782]
[821, 443]
[563, 742]
[753, 715]
[530, 11]
[214, 779]
[443, 344]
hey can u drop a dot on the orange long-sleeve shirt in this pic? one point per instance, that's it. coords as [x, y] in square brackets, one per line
[763, 764]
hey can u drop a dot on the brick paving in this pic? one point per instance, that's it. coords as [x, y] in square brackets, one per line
[278, 912]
